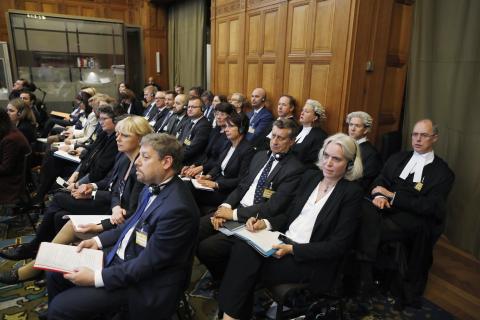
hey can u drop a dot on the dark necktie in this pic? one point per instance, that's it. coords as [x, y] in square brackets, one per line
[262, 181]
[130, 224]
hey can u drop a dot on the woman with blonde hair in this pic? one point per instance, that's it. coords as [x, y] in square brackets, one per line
[117, 194]
[319, 229]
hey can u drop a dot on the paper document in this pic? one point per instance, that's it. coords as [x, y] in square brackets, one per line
[66, 156]
[262, 240]
[198, 186]
[64, 258]
[86, 219]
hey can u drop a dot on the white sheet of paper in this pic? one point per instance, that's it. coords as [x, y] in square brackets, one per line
[64, 258]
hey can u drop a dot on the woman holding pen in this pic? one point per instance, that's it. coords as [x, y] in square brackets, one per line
[319, 226]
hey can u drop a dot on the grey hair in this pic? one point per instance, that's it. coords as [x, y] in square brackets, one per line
[366, 118]
[351, 152]
[317, 108]
[165, 145]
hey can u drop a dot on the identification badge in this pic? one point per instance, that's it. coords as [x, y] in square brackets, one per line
[419, 186]
[251, 130]
[268, 193]
[151, 123]
[187, 142]
[141, 238]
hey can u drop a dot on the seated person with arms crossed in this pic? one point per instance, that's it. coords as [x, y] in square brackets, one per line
[321, 223]
[408, 204]
[149, 276]
[268, 188]
[359, 125]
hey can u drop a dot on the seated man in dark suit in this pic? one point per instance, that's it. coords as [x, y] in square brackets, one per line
[260, 118]
[265, 192]
[408, 204]
[194, 137]
[359, 125]
[150, 261]
[179, 120]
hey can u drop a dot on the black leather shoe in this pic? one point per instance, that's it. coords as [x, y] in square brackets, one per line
[9, 277]
[18, 252]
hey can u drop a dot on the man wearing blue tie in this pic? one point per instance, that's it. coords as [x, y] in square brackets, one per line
[149, 262]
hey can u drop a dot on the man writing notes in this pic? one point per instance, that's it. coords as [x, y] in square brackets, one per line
[266, 191]
[150, 261]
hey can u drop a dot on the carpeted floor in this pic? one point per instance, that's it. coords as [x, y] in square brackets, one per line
[24, 301]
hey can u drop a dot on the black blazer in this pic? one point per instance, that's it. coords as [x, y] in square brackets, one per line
[283, 180]
[217, 143]
[131, 189]
[176, 128]
[307, 151]
[236, 168]
[28, 130]
[159, 117]
[150, 112]
[99, 157]
[198, 137]
[430, 201]
[334, 229]
[372, 164]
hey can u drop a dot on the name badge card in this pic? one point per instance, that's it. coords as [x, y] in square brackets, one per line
[268, 193]
[187, 142]
[141, 238]
[251, 130]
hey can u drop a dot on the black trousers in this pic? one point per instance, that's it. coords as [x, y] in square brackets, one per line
[67, 301]
[213, 249]
[62, 204]
[382, 226]
[53, 167]
[247, 267]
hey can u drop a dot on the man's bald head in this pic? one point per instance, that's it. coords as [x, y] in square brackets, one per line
[424, 135]
[258, 98]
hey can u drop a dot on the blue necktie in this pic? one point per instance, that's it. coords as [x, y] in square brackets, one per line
[262, 181]
[131, 223]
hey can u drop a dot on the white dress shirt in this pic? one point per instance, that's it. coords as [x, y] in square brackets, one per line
[227, 158]
[301, 136]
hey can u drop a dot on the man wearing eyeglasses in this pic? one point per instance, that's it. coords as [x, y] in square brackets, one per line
[407, 204]
[194, 137]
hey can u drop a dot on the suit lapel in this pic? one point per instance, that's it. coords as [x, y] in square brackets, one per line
[330, 205]
[303, 197]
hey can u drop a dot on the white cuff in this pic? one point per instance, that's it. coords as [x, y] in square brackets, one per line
[99, 279]
[99, 243]
[269, 225]
[94, 185]
[234, 215]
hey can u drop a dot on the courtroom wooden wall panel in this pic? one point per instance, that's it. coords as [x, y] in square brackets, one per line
[319, 49]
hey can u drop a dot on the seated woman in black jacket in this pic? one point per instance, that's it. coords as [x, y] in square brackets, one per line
[217, 143]
[231, 166]
[117, 194]
[97, 158]
[321, 224]
[310, 137]
[23, 118]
